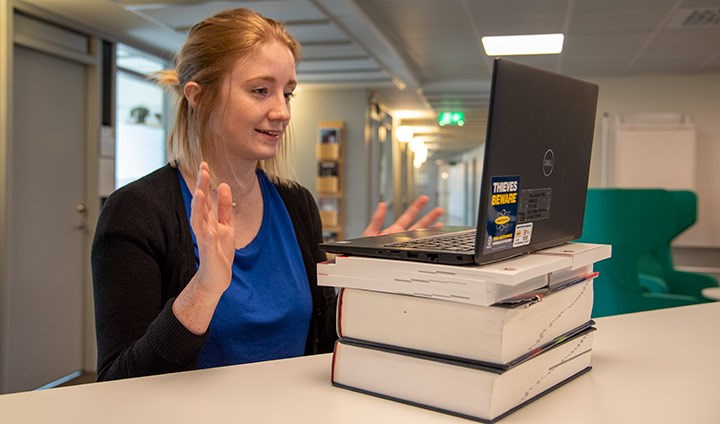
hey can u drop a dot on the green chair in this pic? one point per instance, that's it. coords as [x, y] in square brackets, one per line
[657, 271]
[636, 222]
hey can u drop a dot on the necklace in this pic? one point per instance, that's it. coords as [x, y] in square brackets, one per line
[241, 187]
[214, 189]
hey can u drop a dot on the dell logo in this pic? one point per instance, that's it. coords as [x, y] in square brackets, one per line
[548, 162]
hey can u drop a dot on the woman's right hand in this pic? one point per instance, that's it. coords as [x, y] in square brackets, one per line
[215, 235]
[214, 232]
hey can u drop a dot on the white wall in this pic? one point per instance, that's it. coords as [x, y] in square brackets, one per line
[309, 108]
[698, 96]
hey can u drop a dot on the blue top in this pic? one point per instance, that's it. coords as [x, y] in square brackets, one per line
[265, 313]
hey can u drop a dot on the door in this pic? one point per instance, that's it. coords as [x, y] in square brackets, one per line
[44, 341]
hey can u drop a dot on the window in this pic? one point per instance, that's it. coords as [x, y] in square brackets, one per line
[141, 120]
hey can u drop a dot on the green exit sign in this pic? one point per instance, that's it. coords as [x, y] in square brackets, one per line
[451, 118]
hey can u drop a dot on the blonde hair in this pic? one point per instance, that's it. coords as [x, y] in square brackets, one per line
[212, 47]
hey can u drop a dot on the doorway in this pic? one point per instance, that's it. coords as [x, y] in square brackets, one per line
[43, 341]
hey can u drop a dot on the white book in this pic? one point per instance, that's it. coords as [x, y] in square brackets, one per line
[473, 284]
[472, 292]
[508, 272]
[500, 334]
[581, 254]
[455, 387]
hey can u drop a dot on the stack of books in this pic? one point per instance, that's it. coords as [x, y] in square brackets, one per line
[472, 341]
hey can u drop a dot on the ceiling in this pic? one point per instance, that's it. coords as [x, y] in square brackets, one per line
[422, 57]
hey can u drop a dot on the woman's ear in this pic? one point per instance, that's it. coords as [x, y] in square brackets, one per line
[191, 92]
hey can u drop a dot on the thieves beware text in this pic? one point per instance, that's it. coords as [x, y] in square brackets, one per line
[502, 213]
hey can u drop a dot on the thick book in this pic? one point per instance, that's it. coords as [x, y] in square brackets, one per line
[508, 272]
[474, 284]
[455, 387]
[499, 334]
[435, 287]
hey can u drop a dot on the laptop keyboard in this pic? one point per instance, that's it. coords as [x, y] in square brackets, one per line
[454, 242]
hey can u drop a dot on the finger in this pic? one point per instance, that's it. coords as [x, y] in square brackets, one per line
[198, 215]
[201, 200]
[225, 204]
[202, 181]
[394, 228]
[410, 213]
[203, 184]
[377, 220]
[428, 219]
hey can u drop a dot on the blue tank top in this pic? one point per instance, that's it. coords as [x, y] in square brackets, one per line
[265, 313]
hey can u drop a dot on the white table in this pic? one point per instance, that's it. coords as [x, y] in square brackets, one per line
[650, 367]
[711, 293]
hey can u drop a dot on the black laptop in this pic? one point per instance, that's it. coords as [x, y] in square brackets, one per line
[534, 178]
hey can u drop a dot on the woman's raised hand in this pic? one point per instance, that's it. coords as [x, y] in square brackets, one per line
[405, 221]
[214, 231]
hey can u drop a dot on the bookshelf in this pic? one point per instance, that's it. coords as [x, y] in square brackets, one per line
[329, 182]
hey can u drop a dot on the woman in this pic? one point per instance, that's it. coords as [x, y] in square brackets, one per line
[236, 282]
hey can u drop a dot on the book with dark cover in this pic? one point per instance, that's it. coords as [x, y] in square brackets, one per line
[459, 387]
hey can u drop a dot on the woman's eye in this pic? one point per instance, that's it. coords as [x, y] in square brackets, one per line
[289, 96]
[260, 90]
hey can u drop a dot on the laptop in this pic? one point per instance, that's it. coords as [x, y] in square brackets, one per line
[534, 178]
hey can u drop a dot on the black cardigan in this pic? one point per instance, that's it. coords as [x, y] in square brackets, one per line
[143, 257]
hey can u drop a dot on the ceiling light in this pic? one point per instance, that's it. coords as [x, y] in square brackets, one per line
[509, 45]
[404, 133]
[399, 84]
[417, 145]
[420, 156]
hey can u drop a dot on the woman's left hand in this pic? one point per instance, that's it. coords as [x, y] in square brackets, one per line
[404, 222]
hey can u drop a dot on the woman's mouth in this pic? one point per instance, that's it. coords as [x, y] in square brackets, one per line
[270, 133]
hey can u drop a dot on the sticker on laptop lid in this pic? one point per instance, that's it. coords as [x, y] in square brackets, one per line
[523, 234]
[534, 204]
[502, 213]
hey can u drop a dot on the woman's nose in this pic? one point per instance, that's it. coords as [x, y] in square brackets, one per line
[281, 109]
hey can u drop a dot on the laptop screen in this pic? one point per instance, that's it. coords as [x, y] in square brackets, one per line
[537, 161]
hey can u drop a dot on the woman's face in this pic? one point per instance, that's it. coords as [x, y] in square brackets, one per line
[253, 107]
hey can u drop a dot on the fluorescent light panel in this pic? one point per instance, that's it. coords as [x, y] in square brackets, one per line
[510, 45]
